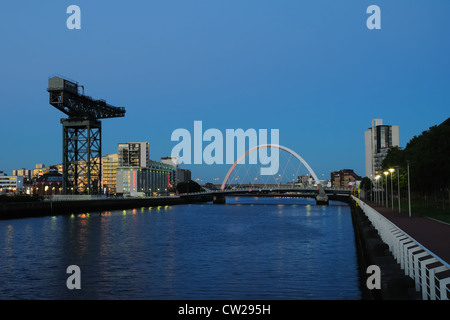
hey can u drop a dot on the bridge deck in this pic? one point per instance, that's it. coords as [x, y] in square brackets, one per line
[255, 190]
[332, 193]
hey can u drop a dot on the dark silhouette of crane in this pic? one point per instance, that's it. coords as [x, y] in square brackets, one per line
[82, 138]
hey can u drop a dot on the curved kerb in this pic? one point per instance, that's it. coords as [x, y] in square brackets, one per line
[311, 171]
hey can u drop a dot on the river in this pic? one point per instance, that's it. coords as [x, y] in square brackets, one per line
[250, 248]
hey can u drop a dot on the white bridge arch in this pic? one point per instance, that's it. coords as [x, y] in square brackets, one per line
[311, 171]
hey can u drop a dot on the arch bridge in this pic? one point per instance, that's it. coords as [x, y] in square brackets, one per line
[321, 194]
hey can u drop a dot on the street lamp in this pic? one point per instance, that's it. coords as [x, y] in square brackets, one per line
[391, 170]
[398, 183]
[386, 174]
[409, 191]
[379, 194]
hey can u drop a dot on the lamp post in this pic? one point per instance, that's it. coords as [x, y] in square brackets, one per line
[386, 174]
[377, 195]
[409, 191]
[398, 183]
[382, 190]
[391, 170]
[374, 190]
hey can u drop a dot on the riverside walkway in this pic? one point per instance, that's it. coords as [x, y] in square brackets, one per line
[431, 234]
[420, 245]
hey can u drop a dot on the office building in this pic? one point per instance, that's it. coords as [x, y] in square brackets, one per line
[39, 170]
[378, 139]
[26, 174]
[10, 184]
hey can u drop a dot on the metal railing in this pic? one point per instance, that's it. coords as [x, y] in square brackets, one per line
[274, 188]
[430, 273]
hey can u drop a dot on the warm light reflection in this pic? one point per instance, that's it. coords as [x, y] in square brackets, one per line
[308, 210]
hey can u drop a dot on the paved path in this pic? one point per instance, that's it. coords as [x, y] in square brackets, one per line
[431, 234]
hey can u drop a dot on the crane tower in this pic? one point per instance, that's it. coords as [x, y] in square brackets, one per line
[82, 135]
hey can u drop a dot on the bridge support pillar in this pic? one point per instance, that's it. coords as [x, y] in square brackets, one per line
[219, 199]
[322, 198]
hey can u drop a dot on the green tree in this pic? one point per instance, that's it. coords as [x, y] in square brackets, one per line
[366, 184]
[188, 187]
[429, 157]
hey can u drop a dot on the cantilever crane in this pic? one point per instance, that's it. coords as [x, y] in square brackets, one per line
[82, 142]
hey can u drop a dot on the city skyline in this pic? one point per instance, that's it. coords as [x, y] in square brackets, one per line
[313, 71]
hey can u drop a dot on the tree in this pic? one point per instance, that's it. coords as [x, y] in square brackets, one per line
[429, 158]
[188, 187]
[395, 157]
[366, 184]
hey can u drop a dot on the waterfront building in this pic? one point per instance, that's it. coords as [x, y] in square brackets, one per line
[26, 174]
[134, 154]
[378, 139]
[80, 167]
[344, 178]
[49, 184]
[110, 163]
[143, 181]
[131, 172]
[173, 175]
[177, 175]
[9, 184]
[39, 170]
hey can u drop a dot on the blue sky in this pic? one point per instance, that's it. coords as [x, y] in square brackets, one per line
[309, 68]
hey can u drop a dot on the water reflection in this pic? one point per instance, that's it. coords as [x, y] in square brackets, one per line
[246, 249]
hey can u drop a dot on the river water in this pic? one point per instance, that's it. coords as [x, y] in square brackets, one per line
[250, 248]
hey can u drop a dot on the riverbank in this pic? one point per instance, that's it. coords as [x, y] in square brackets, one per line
[371, 250]
[18, 210]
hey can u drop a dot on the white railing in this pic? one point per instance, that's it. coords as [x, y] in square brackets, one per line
[430, 273]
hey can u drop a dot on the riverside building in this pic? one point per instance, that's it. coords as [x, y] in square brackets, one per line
[10, 184]
[137, 175]
[378, 139]
[144, 181]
